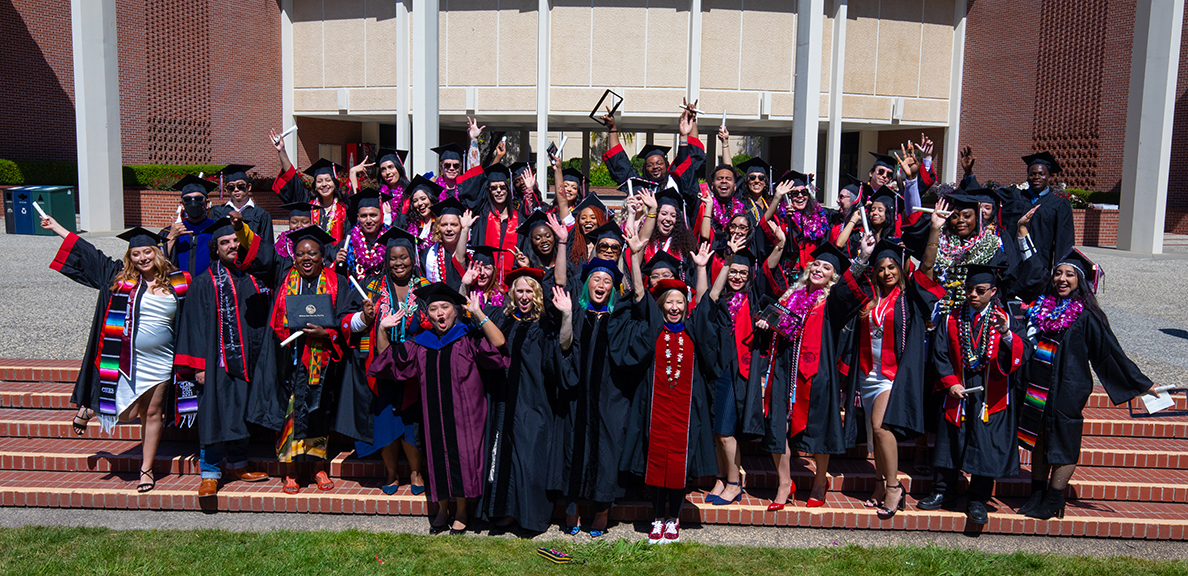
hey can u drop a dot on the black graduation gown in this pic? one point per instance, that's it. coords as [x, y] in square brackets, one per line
[594, 418]
[522, 424]
[257, 218]
[979, 448]
[748, 392]
[906, 414]
[634, 330]
[689, 159]
[340, 403]
[453, 268]
[224, 399]
[82, 262]
[1089, 341]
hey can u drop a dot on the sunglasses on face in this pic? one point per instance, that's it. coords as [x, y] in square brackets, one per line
[979, 290]
[800, 192]
[451, 165]
[236, 187]
[608, 247]
[757, 177]
[883, 172]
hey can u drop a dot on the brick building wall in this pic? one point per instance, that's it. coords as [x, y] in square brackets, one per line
[36, 81]
[1177, 181]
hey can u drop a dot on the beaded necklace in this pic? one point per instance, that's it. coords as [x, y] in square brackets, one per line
[673, 375]
[973, 352]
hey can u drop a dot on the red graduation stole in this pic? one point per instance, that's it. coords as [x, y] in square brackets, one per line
[889, 363]
[807, 367]
[672, 394]
[998, 380]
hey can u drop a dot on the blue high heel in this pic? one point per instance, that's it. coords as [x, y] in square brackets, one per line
[416, 490]
[719, 501]
[714, 498]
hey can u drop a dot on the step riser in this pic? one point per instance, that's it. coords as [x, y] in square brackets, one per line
[1003, 523]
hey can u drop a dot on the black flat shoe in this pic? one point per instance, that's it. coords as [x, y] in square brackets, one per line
[934, 501]
[976, 512]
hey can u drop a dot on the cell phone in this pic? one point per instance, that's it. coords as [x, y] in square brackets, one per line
[552, 150]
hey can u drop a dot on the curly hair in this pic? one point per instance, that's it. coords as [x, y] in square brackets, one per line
[510, 307]
[162, 268]
[682, 238]
[580, 254]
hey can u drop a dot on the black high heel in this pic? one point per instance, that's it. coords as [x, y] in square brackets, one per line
[886, 513]
[1038, 492]
[1051, 507]
[144, 487]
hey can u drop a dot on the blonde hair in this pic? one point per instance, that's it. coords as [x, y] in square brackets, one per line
[509, 307]
[664, 297]
[435, 232]
[162, 268]
[803, 282]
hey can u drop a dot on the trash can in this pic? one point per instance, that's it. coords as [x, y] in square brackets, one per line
[56, 201]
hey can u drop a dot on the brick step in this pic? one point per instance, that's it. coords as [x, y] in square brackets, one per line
[857, 476]
[351, 496]
[41, 395]
[39, 370]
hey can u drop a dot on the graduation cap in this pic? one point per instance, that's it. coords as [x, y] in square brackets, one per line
[797, 178]
[140, 237]
[652, 150]
[888, 162]
[1091, 273]
[1044, 158]
[662, 259]
[827, 252]
[745, 257]
[448, 206]
[969, 199]
[600, 265]
[590, 201]
[190, 184]
[497, 173]
[537, 218]
[484, 254]
[398, 236]
[756, 164]
[887, 197]
[636, 183]
[433, 189]
[573, 175]
[610, 230]
[534, 273]
[671, 197]
[518, 168]
[235, 172]
[299, 209]
[323, 166]
[314, 233]
[219, 228]
[888, 249]
[396, 157]
[366, 198]
[449, 151]
[667, 284]
[439, 292]
[988, 273]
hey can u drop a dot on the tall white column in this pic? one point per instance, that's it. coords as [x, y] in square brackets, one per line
[948, 169]
[97, 114]
[287, 84]
[543, 43]
[402, 127]
[693, 72]
[586, 152]
[425, 109]
[1154, 62]
[806, 115]
[837, 62]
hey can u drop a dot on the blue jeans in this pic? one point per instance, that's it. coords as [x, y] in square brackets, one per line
[211, 456]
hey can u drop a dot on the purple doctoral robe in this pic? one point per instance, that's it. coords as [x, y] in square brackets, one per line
[453, 402]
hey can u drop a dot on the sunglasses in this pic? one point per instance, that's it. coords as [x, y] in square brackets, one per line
[883, 172]
[608, 247]
[236, 187]
[979, 290]
[800, 192]
[451, 165]
[757, 177]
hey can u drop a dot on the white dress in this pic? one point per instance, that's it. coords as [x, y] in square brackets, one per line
[152, 354]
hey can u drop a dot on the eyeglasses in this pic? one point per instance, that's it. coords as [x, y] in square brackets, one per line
[883, 172]
[757, 177]
[236, 187]
[739, 227]
[738, 273]
[608, 247]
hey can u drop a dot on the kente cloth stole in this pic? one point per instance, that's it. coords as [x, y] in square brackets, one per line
[1031, 413]
[315, 355]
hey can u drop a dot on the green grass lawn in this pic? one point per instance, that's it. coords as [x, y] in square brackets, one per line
[36, 550]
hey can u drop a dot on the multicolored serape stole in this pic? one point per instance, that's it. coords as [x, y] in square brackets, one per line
[114, 357]
[1031, 414]
[185, 391]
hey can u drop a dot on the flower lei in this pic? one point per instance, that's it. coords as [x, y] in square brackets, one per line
[954, 253]
[799, 304]
[736, 303]
[814, 226]
[1052, 314]
[284, 246]
[397, 195]
[446, 188]
[722, 216]
[369, 258]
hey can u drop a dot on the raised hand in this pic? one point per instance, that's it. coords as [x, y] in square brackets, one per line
[1001, 322]
[784, 188]
[340, 258]
[608, 119]
[907, 160]
[236, 219]
[529, 179]
[473, 129]
[723, 135]
[635, 205]
[634, 241]
[735, 244]
[967, 160]
[925, 146]
[561, 300]
[1024, 220]
[521, 258]
[468, 219]
[500, 150]
[868, 244]
[474, 303]
[940, 213]
[360, 169]
[648, 199]
[472, 272]
[559, 230]
[703, 254]
[688, 121]
[277, 141]
[368, 311]
[392, 320]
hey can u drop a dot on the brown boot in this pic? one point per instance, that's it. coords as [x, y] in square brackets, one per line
[208, 487]
[243, 475]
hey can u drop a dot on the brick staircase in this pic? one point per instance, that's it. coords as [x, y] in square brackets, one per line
[1132, 483]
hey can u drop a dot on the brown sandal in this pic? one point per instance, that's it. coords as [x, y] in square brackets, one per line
[81, 418]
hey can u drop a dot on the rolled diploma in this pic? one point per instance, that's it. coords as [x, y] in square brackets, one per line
[975, 389]
[865, 224]
[359, 288]
[291, 338]
[37, 207]
[291, 130]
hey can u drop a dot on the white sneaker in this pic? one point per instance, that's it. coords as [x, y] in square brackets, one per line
[656, 536]
[672, 531]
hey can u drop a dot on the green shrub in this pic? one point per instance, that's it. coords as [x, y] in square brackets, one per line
[39, 172]
[162, 176]
[739, 159]
[1091, 197]
[10, 173]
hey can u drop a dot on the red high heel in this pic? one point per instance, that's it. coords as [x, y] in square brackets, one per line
[774, 507]
[815, 503]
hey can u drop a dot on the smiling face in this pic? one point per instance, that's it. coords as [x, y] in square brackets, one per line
[1065, 280]
[666, 219]
[724, 184]
[660, 273]
[674, 304]
[324, 186]
[739, 228]
[571, 190]
[400, 263]
[888, 273]
[450, 225]
[820, 273]
[142, 258]
[799, 197]
[877, 214]
[498, 192]
[737, 276]
[655, 167]
[756, 183]
[523, 293]
[389, 173]
[543, 240]
[228, 248]
[307, 257]
[442, 315]
[421, 203]
[486, 272]
[964, 221]
[845, 201]
[987, 211]
[370, 220]
[608, 249]
[296, 222]
[600, 286]
[588, 220]
[880, 176]
[1037, 177]
[450, 169]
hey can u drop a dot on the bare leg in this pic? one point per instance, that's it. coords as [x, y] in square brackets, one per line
[150, 424]
[821, 480]
[415, 461]
[723, 465]
[784, 473]
[600, 519]
[390, 454]
[460, 516]
[443, 513]
[886, 448]
[729, 457]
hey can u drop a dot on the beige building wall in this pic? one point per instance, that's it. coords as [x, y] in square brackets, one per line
[894, 49]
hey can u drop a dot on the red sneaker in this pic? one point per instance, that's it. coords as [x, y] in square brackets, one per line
[672, 531]
[656, 536]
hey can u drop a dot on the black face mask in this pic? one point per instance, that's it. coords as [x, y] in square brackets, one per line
[195, 207]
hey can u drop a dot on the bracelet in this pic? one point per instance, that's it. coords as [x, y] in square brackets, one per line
[483, 321]
[652, 214]
[612, 131]
[934, 244]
